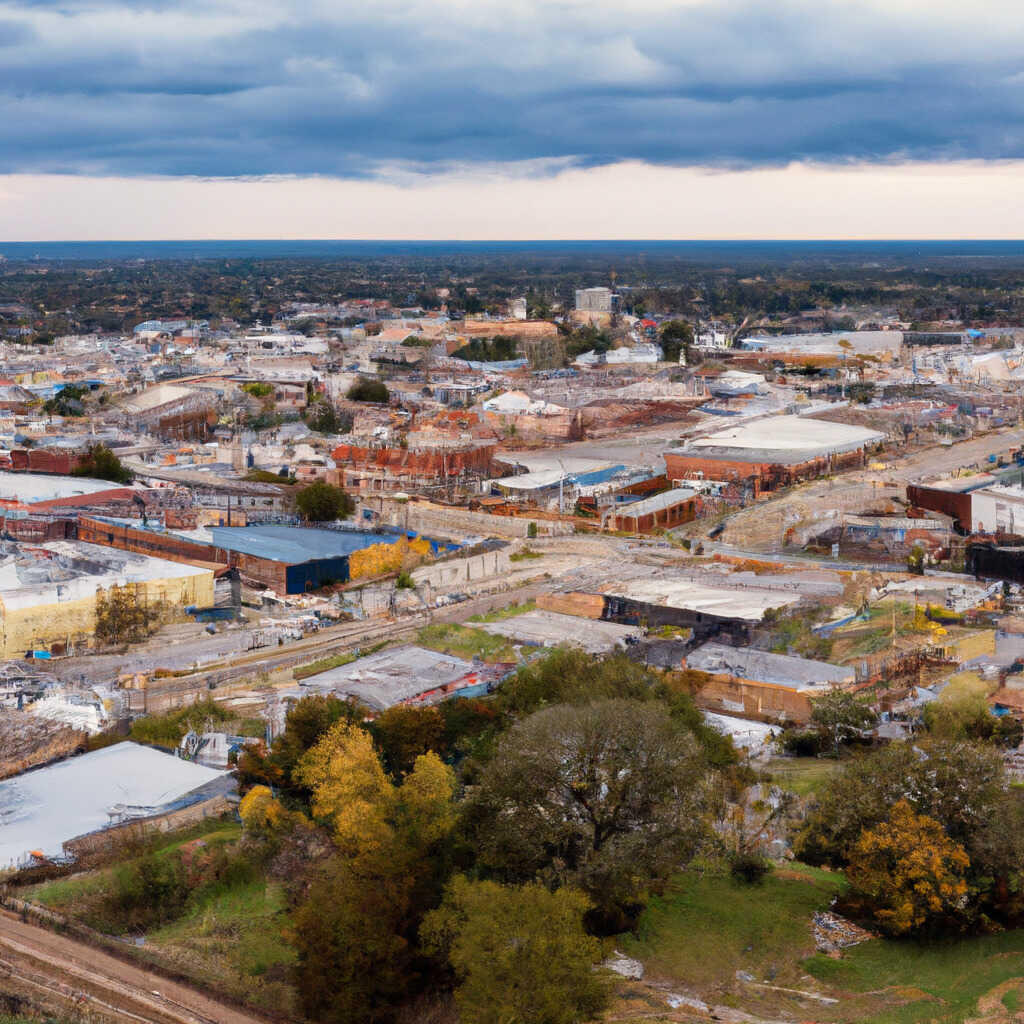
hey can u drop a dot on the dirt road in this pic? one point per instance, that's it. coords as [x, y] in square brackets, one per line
[56, 971]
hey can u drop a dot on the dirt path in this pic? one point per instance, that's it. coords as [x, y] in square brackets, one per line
[60, 972]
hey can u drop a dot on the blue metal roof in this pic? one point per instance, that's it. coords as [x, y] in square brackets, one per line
[295, 544]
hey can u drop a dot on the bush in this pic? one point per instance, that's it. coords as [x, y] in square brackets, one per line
[405, 581]
[749, 867]
[323, 503]
[367, 390]
[803, 742]
[101, 463]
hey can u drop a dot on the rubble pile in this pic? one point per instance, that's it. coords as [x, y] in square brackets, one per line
[833, 934]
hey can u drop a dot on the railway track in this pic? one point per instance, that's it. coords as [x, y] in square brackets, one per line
[64, 975]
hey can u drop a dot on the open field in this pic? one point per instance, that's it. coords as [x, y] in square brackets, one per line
[751, 949]
[802, 775]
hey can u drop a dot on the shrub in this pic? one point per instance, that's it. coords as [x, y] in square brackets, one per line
[749, 867]
[367, 390]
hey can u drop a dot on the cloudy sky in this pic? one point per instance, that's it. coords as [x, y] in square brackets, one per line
[513, 119]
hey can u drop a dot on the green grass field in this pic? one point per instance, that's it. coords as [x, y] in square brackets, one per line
[509, 612]
[237, 940]
[466, 642]
[802, 775]
[940, 982]
[707, 926]
[752, 948]
[234, 938]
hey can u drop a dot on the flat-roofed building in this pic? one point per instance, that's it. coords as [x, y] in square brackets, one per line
[758, 684]
[407, 675]
[772, 452]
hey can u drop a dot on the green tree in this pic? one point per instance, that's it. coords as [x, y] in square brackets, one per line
[676, 337]
[367, 390]
[403, 733]
[610, 796]
[841, 716]
[324, 419]
[908, 873]
[68, 401]
[100, 463]
[322, 502]
[520, 953]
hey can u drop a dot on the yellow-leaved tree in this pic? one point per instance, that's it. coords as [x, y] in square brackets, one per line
[908, 873]
[263, 814]
[351, 793]
[355, 933]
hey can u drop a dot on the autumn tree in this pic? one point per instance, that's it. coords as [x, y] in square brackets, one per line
[908, 873]
[307, 722]
[355, 932]
[960, 785]
[351, 794]
[841, 716]
[121, 617]
[520, 953]
[609, 796]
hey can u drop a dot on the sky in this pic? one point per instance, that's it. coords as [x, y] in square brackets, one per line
[511, 119]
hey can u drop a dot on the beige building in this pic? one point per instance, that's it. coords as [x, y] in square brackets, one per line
[48, 593]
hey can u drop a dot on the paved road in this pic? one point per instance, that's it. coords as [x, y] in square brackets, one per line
[63, 971]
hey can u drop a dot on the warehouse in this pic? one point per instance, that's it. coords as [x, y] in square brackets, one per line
[44, 809]
[48, 592]
[757, 684]
[540, 628]
[705, 608]
[772, 452]
[659, 512]
[286, 559]
[407, 675]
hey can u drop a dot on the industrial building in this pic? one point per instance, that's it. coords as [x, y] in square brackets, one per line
[48, 592]
[761, 685]
[173, 411]
[286, 559]
[706, 608]
[407, 675]
[596, 300]
[43, 810]
[29, 488]
[659, 512]
[772, 452]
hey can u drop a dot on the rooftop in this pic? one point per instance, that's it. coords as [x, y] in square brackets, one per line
[72, 571]
[389, 677]
[41, 810]
[657, 502]
[747, 604]
[782, 439]
[295, 544]
[31, 487]
[549, 629]
[764, 667]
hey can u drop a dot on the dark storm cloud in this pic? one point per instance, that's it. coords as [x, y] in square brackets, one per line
[282, 87]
